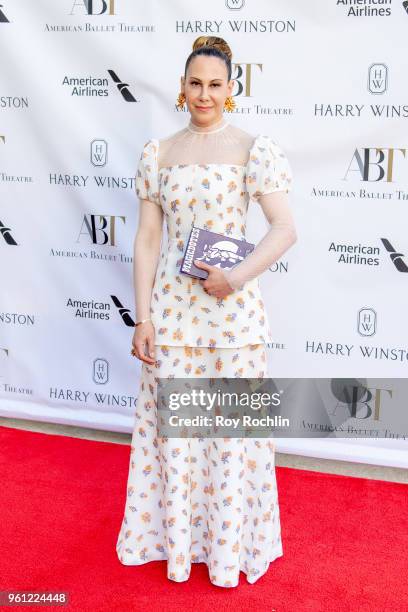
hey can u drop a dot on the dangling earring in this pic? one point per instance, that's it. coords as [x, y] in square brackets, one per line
[229, 104]
[180, 101]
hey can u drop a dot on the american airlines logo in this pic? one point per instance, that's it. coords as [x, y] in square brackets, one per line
[92, 86]
[3, 18]
[122, 87]
[6, 233]
[396, 257]
[124, 312]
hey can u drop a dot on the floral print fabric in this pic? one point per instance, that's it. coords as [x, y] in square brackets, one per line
[210, 500]
[214, 197]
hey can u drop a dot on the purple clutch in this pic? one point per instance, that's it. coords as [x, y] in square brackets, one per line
[215, 249]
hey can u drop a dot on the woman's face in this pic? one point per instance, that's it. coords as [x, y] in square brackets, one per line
[206, 88]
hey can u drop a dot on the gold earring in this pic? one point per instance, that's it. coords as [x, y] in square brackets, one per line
[180, 101]
[229, 104]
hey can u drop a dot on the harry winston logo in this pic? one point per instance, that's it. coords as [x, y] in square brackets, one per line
[5, 232]
[367, 322]
[99, 152]
[123, 87]
[3, 18]
[396, 257]
[100, 371]
[124, 312]
[377, 78]
[235, 5]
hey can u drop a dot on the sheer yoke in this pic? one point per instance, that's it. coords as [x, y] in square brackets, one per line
[229, 145]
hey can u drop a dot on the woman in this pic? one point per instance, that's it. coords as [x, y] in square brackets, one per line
[203, 500]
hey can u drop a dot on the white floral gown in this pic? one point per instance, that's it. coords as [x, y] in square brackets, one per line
[210, 500]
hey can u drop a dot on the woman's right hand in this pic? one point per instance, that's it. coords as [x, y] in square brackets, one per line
[144, 337]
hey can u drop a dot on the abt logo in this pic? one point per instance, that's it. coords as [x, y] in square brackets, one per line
[363, 402]
[244, 78]
[94, 7]
[375, 163]
[100, 226]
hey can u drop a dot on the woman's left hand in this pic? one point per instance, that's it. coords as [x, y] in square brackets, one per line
[215, 284]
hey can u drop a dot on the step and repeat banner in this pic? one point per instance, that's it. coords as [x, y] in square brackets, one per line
[85, 83]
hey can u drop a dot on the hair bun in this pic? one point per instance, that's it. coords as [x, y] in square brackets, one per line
[213, 41]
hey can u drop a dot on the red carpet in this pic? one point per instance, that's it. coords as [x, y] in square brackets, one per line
[345, 540]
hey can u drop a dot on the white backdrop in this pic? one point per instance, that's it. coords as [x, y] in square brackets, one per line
[83, 85]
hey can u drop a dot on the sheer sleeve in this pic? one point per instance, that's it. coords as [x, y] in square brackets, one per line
[268, 169]
[147, 180]
[280, 236]
[269, 181]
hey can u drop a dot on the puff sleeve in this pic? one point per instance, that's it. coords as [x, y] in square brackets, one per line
[268, 168]
[147, 180]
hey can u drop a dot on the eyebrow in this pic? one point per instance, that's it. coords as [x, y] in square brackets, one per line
[193, 77]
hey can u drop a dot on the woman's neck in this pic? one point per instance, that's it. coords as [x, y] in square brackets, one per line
[217, 125]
